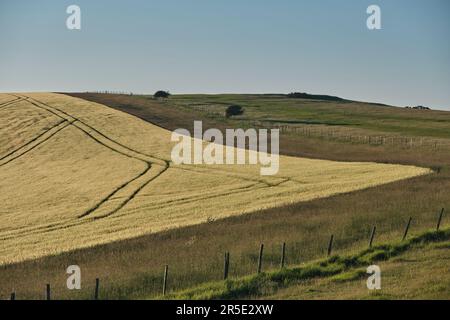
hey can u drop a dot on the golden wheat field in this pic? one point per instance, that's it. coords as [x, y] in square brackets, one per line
[76, 174]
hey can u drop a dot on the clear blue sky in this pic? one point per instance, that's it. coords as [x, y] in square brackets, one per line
[214, 46]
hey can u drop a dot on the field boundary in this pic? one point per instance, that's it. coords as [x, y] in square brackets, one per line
[332, 265]
[337, 265]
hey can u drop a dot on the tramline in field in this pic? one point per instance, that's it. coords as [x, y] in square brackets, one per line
[77, 174]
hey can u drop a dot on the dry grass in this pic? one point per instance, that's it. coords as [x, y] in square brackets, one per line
[404, 265]
[406, 277]
[98, 175]
[133, 268]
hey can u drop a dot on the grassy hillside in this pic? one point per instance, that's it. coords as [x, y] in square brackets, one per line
[81, 177]
[133, 268]
[98, 175]
[268, 110]
[404, 268]
[279, 109]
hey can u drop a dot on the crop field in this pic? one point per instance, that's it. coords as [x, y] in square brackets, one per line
[76, 174]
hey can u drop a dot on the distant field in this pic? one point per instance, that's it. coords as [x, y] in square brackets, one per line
[359, 115]
[77, 174]
[280, 110]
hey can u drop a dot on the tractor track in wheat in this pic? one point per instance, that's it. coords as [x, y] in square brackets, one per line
[7, 103]
[113, 146]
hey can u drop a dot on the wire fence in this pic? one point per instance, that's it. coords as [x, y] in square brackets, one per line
[260, 261]
[349, 136]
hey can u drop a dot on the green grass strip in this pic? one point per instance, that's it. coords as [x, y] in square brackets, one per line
[339, 268]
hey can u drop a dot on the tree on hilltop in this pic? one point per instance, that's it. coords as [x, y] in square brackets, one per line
[161, 94]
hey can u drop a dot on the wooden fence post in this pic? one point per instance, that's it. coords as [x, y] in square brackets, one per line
[48, 292]
[261, 248]
[406, 229]
[97, 285]
[226, 265]
[372, 236]
[330, 245]
[166, 271]
[440, 219]
[283, 254]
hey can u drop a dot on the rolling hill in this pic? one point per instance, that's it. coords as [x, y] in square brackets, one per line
[76, 174]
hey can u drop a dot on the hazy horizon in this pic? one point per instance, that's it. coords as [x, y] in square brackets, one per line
[213, 47]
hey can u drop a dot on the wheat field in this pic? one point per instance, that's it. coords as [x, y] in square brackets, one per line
[75, 174]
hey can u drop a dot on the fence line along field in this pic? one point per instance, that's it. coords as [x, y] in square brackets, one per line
[75, 174]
